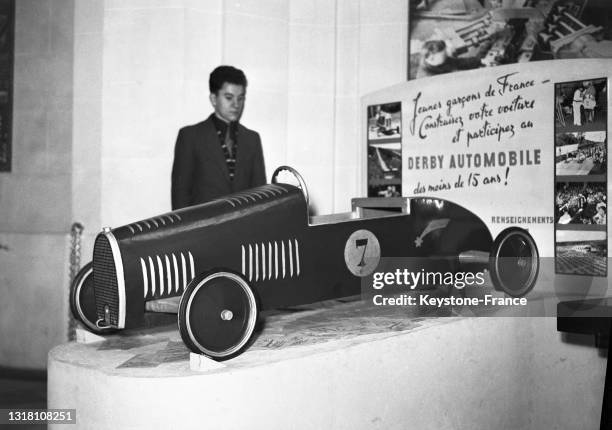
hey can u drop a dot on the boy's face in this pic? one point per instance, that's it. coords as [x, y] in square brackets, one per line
[229, 102]
[436, 58]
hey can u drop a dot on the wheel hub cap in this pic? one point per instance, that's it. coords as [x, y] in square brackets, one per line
[227, 315]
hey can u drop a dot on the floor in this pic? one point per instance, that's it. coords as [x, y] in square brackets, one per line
[23, 390]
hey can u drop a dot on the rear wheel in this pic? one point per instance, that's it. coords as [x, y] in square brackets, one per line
[514, 262]
[217, 314]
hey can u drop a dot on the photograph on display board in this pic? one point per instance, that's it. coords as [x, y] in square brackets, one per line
[385, 122]
[581, 252]
[581, 203]
[581, 153]
[384, 169]
[581, 105]
[384, 150]
[385, 190]
[448, 35]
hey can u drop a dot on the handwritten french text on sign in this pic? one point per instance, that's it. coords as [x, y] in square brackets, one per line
[469, 136]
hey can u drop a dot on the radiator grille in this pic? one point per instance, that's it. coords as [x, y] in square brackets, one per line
[105, 280]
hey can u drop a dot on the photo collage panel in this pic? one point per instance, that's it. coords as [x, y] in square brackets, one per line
[384, 131]
[581, 177]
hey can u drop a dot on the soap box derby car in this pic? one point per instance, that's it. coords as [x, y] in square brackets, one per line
[230, 258]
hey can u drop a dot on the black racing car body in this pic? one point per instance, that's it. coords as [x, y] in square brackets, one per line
[264, 241]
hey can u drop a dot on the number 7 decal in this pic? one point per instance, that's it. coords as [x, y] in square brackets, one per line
[364, 243]
[362, 253]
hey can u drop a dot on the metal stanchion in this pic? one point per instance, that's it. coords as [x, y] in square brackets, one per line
[75, 264]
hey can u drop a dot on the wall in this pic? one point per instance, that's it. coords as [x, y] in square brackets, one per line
[35, 200]
[86, 185]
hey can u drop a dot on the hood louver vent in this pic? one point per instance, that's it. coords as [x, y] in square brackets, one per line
[151, 224]
[255, 195]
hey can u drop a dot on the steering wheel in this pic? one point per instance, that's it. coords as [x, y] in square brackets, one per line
[301, 183]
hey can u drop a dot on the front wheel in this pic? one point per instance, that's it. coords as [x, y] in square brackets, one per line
[514, 262]
[217, 314]
[83, 302]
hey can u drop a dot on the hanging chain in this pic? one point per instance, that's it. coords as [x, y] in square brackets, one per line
[75, 264]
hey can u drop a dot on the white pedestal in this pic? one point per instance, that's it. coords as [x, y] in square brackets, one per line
[340, 367]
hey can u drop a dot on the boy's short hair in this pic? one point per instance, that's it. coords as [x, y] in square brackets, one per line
[223, 74]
